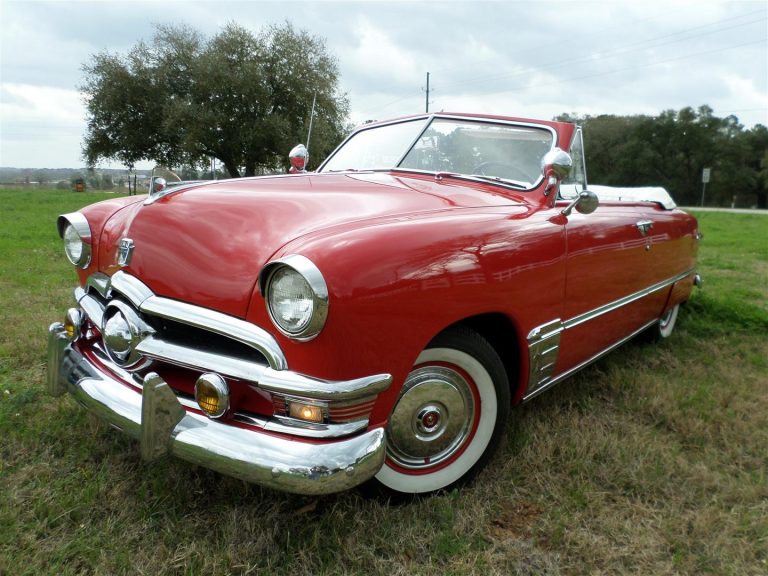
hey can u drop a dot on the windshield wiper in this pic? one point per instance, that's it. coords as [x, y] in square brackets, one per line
[515, 183]
[497, 179]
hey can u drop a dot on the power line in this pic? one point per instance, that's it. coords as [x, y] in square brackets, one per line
[646, 65]
[641, 45]
[593, 33]
[625, 50]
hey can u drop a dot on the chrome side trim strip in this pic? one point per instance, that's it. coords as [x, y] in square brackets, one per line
[218, 323]
[544, 340]
[587, 362]
[616, 304]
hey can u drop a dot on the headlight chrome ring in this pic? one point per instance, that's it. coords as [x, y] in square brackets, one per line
[296, 296]
[76, 233]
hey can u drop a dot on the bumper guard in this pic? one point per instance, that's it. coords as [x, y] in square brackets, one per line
[162, 425]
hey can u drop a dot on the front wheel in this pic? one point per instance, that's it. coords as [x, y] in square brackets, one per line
[449, 417]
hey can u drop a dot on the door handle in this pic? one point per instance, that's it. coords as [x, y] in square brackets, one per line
[644, 226]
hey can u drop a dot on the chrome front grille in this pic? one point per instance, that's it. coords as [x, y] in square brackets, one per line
[189, 339]
[184, 334]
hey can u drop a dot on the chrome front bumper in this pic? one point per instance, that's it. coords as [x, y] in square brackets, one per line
[163, 425]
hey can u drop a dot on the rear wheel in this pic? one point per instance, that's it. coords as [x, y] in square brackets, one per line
[449, 416]
[661, 329]
[667, 322]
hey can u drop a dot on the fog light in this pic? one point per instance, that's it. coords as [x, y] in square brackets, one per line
[72, 323]
[212, 395]
[308, 412]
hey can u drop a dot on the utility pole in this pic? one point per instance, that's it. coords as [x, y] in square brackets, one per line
[427, 100]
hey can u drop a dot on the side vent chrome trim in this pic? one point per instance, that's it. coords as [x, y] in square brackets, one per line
[543, 349]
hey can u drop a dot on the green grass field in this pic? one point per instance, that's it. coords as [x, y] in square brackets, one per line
[652, 461]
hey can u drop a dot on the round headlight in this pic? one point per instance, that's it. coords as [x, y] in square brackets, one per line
[73, 245]
[76, 233]
[290, 300]
[297, 297]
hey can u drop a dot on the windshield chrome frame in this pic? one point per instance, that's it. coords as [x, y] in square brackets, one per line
[431, 118]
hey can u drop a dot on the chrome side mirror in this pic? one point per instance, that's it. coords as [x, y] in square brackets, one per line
[585, 203]
[298, 156]
[555, 165]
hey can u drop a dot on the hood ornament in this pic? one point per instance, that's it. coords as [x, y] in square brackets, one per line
[124, 252]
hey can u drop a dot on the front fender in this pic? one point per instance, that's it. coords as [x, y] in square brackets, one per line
[394, 285]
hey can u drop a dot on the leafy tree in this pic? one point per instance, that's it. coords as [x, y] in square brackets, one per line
[756, 160]
[672, 149]
[241, 98]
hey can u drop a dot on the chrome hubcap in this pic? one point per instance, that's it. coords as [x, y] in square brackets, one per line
[433, 418]
[428, 419]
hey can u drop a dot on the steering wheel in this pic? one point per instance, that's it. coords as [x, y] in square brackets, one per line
[502, 170]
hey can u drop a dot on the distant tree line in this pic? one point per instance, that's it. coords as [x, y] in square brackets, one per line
[672, 149]
[244, 99]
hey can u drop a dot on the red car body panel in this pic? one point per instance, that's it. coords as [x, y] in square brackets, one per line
[406, 255]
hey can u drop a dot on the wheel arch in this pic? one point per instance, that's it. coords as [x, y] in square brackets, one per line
[504, 337]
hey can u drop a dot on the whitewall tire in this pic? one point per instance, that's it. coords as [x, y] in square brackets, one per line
[449, 416]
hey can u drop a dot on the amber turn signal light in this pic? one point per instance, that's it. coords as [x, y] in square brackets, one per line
[307, 412]
[212, 395]
[72, 323]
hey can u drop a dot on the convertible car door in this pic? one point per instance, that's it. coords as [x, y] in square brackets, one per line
[608, 267]
[669, 240]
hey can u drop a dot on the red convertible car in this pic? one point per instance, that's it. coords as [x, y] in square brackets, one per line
[374, 321]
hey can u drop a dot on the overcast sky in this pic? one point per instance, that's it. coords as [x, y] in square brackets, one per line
[534, 59]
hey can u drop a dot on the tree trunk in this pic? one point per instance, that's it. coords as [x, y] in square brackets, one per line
[231, 167]
[762, 198]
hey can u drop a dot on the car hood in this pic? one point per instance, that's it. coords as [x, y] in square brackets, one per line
[206, 244]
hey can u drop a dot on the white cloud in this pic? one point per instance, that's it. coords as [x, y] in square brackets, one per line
[57, 107]
[532, 59]
[377, 57]
[41, 126]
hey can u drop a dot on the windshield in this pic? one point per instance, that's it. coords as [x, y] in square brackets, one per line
[376, 148]
[507, 153]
